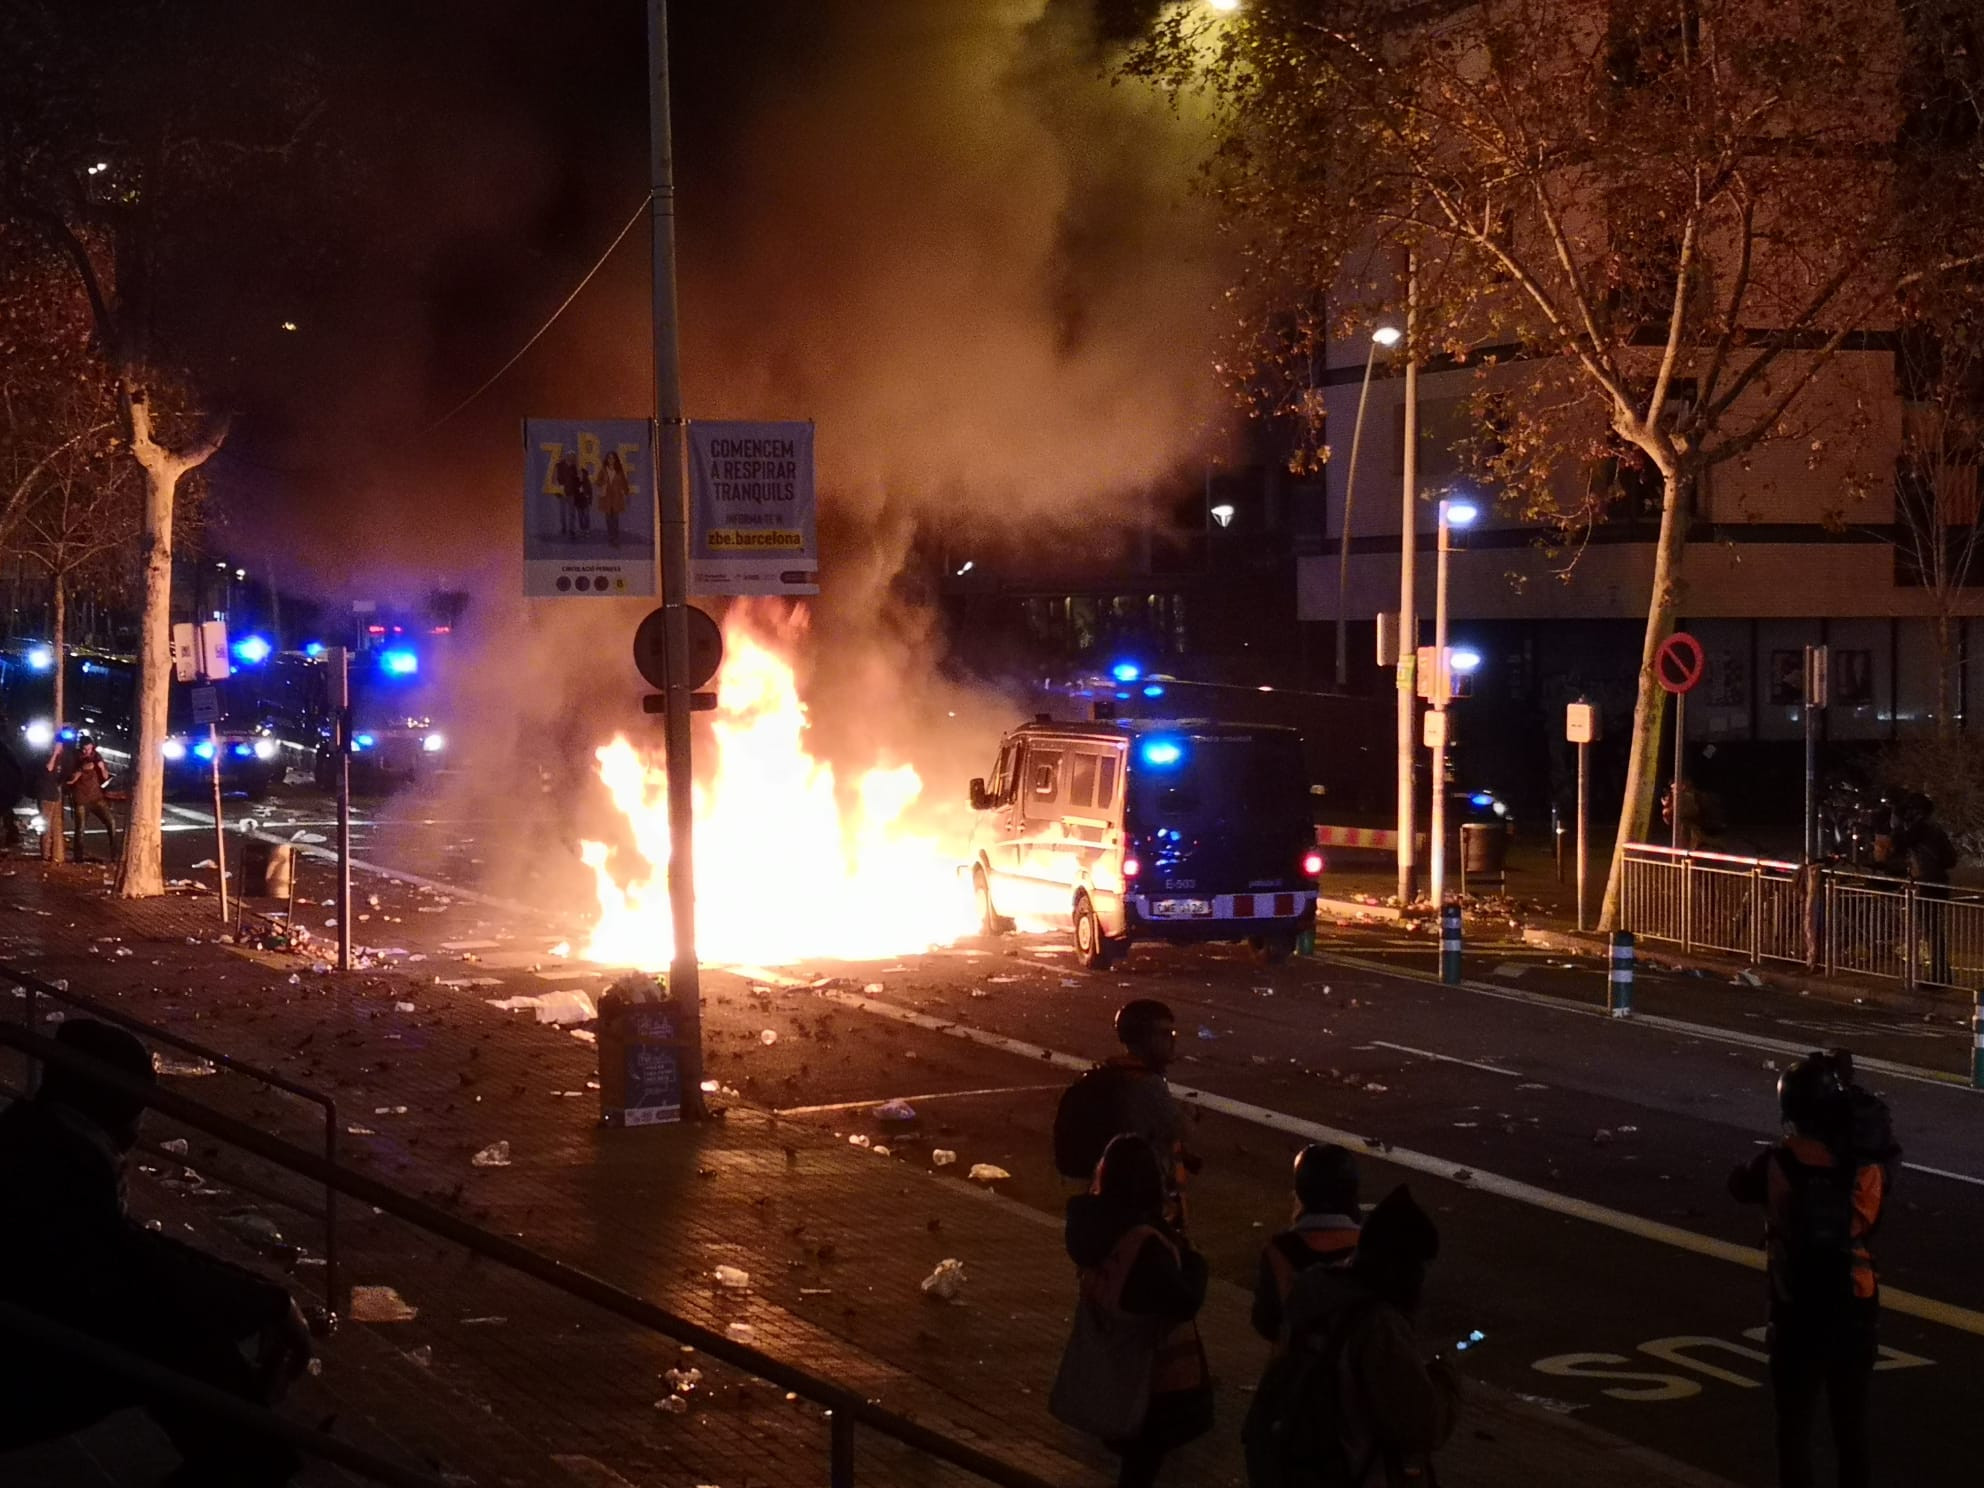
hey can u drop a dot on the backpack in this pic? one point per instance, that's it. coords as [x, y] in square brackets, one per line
[1816, 1231]
[1084, 1122]
[1293, 1435]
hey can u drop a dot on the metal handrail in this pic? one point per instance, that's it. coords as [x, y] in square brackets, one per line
[37, 1328]
[34, 986]
[847, 1407]
[1701, 855]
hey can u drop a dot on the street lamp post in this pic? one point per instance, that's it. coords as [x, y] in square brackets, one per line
[1454, 512]
[1408, 612]
[1385, 336]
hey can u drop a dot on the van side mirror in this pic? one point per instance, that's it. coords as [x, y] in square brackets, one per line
[979, 800]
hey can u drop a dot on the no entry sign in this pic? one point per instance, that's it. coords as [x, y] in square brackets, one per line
[1679, 663]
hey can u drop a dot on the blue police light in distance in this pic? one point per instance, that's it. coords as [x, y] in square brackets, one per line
[314, 649]
[1160, 752]
[41, 658]
[398, 662]
[1480, 799]
[1126, 671]
[242, 751]
[252, 650]
[1153, 690]
[204, 749]
[362, 741]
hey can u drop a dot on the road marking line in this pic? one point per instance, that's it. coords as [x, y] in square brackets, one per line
[1647, 1020]
[869, 1105]
[1944, 1173]
[1911, 1304]
[1444, 1058]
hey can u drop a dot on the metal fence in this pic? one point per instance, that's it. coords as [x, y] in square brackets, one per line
[1824, 919]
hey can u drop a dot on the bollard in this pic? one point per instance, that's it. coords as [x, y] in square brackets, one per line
[1305, 943]
[1450, 944]
[1977, 1043]
[1619, 983]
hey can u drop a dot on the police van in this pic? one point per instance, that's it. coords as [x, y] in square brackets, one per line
[1177, 830]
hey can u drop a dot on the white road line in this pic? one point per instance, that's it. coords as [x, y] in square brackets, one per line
[1911, 1304]
[1645, 1020]
[1444, 1058]
[869, 1105]
[1944, 1173]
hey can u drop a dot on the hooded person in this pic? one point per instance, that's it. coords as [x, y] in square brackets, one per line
[1350, 1400]
[70, 1252]
[1134, 1373]
[1324, 1232]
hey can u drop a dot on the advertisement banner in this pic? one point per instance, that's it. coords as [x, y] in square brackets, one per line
[751, 509]
[588, 508]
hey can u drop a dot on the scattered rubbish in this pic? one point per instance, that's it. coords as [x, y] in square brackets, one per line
[423, 1356]
[1544, 1402]
[1264, 991]
[361, 1131]
[942, 1158]
[879, 1150]
[1627, 1131]
[987, 1173]
[857, 1139]
[164, 1064]
[476, 1322]
[709, 1087]
[1463, 1175]
[389, 1110]
[1601, 1137]
[380, 1304]
[683, 1380]
[872, 988]
[816, 1291]
[561, 1007]
[495, 1155]
[1375, 1088]
[895, 1110]
[1746, 979]
[1207, 1034]
[403, 1007]
[768, 1037]
[295, 979]
[741, 1333]
[205, 863]
[308, 839]
[177, 1146]
[584, 1035]
[946, 1281]
[674, 1405]
[257, 1230]
[732, 1279]
[1002, 980]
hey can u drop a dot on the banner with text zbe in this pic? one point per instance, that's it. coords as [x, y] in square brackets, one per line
[751, 509]
[588, 508]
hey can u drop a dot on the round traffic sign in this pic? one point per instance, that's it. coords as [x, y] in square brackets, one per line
[651, 649]
[1678, 664]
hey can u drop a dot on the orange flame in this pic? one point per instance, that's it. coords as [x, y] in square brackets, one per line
[783, 872]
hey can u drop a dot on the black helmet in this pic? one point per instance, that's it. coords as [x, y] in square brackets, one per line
[1810, 1089]
[1326, 1180]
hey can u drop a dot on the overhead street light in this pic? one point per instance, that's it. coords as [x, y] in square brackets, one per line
[1455, 511]
[1386, 336]
[1223, 514]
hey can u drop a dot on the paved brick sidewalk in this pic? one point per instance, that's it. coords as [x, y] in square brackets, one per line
[835, 1239]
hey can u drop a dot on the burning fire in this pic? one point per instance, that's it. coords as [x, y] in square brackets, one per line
[785, 870]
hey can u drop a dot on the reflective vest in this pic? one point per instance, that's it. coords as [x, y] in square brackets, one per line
[1329, 1246]
[1180, 1360]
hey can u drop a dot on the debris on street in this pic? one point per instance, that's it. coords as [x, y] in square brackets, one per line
[946, 1281]
[380, 1304]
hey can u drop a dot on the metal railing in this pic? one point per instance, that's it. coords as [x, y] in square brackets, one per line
[846, 1408]
[1832, 920]
[34, 989]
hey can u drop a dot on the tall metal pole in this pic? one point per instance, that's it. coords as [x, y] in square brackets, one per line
[1443, 686]
[1408, 616]
[220, 827]
[340, 660]
[671, 482]
[1584, 826]
[1343, 543]
[1680, 744]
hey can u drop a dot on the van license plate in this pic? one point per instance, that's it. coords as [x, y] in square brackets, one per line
[1182, 909]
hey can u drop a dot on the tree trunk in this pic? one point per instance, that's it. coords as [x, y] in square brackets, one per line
[142, 875]
[1945, 672]
[1650, 707]
[58, 648]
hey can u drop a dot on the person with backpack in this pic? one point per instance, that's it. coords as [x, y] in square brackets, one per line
[1349, 1399]
[1134, 1372]
[1127, 1093]
[1823, 1189]
[1324, 1232]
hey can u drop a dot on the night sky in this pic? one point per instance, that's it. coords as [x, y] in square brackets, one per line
[932, 225]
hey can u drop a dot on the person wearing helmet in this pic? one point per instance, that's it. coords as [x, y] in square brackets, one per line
[1823, 1189]
[1324, 1232]
[1126, 1094]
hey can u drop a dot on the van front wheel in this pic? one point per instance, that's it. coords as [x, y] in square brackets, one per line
[1094, 950]
[990, 921]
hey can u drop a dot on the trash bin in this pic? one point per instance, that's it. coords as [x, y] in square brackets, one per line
[1484, 849]
[266, 869]
[640, 1059]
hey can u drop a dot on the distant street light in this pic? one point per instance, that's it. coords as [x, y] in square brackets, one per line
[1223, 514]
[1224, 7]
[1454, 512]
[968, 565]
[1386, 336]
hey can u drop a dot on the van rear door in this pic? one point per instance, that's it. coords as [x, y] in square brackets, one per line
[1219, 813]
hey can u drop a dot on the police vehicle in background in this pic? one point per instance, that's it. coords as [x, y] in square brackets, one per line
[1148, 829]
[394, 736]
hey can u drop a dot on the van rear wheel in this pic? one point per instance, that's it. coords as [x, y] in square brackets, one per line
[1272, 950]
[1093, 949]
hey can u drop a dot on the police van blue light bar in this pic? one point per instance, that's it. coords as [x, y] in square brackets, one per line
[1153, 690]
[252, 650]
[1161, 753]
[314, 649]
[41, 658]
[398, 662]
[1126, 671]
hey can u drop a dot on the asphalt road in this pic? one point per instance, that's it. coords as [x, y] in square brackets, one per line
[1575, 1163]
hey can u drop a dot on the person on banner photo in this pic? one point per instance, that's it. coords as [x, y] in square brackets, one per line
[582, 500]
[565, 478]
[613, 493]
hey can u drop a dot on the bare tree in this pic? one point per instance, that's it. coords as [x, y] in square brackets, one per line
[1673, 213]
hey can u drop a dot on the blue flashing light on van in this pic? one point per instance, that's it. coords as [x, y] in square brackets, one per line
[397, 661]
[252, 650]
[1161, 753]
[313, 649]
[1126, 671]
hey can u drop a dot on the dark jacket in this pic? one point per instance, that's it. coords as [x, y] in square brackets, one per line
[1313, 1240]
[1395, 1408]
[13, 776]
[1162, 1282]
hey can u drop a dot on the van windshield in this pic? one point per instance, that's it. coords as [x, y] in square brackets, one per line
[1223, 778]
